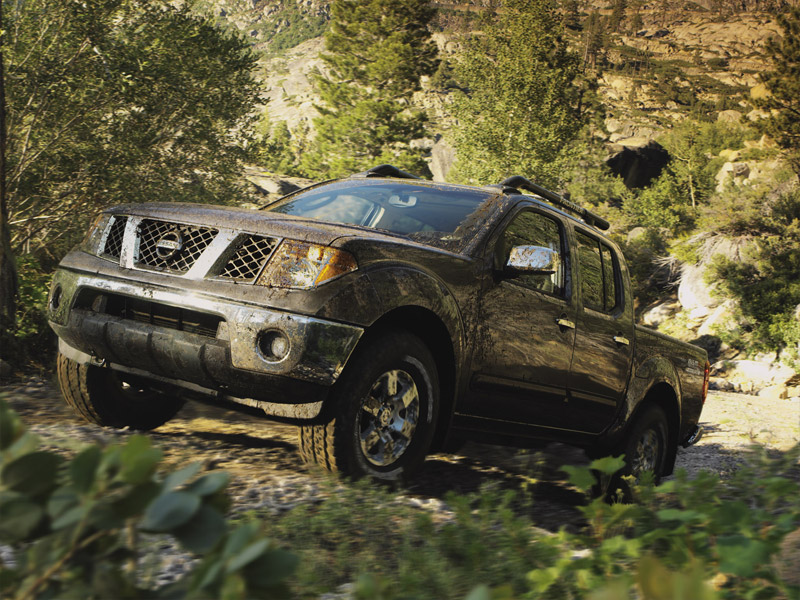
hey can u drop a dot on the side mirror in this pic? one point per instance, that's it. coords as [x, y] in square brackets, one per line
[532, 260]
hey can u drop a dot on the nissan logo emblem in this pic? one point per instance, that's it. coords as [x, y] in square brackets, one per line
[169, 244]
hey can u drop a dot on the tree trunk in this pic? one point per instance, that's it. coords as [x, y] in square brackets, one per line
[8, 267]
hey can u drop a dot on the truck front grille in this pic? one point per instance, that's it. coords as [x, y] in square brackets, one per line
[113, 246]
[250, 256]
[145, 311]
[171, 246]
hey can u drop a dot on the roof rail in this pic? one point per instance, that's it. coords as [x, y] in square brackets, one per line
[386, 171]
[520, 183]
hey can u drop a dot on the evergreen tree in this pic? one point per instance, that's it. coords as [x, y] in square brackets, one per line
[617, 15]
[377, 51]
[572, 18]
[594, 39]
[784, 86]
[522, 106]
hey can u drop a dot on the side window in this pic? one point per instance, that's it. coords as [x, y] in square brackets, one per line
[535, 229]
[609, 278]
[598, 272]
[590, 265]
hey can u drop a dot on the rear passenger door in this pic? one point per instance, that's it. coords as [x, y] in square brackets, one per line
[604, 343]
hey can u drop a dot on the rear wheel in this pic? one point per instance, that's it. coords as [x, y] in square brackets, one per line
[384, 410]
[105, 397]
[645, 449]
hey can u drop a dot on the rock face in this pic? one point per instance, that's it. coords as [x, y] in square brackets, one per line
[442, 158]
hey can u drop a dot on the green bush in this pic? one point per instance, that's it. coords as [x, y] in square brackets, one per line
[677, 539]
[765, 285]
[77, 526]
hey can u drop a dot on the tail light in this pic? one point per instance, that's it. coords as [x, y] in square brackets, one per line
[706, 373]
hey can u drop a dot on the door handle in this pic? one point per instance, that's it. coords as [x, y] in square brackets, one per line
[620, 339]
[562, 322]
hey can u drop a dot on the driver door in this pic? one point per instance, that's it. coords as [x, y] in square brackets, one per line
[526, 332]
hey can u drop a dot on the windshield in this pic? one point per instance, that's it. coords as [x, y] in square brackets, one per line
[439, 216]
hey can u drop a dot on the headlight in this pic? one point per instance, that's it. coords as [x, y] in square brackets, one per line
[91, 240]
[302, 265]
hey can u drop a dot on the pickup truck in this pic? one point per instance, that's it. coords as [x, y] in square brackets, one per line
[385, 315]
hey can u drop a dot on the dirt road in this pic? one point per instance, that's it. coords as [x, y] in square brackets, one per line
[267, 472]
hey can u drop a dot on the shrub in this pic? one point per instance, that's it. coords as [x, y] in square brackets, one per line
[78, 525]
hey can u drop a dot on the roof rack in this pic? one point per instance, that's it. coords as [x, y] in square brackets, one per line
[520, 183]
[386, 171]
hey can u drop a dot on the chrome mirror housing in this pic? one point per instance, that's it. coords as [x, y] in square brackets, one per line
[534, 260]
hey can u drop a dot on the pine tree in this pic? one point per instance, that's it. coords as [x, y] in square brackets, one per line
[617, 15]
[784, 86]
[377, 52]
[522, 106]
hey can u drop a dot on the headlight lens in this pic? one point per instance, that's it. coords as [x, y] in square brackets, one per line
[303, 265]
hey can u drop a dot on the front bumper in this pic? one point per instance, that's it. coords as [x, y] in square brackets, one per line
[228, 360]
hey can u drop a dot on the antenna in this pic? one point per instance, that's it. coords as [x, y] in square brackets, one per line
[520, 183]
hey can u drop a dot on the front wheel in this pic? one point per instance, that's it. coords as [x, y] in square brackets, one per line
[384, 411]
[104, 397]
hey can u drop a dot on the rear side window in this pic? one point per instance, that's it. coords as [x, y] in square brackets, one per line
[535, 229]
[598, 272]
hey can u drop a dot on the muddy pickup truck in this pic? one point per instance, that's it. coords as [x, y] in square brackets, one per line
[385, 315]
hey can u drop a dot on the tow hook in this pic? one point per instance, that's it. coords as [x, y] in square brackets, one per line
[694, 437]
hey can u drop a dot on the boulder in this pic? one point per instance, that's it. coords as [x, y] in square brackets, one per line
[442, 158]
[5, 370]
[736, 171]
[729, 116]
[718, 319]
[753, 375]
[659, 313]
[694, 293]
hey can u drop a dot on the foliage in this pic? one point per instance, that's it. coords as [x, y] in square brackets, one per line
[362, 533]
[678, 538]
[33, 340]
[700, 538]
[688, 181]
[524, 103]
[290, 26]
[118, 101]
[78, 526]
[649, 279]
[766, 285]
[377, 51]
[280, 149]
[783, 84]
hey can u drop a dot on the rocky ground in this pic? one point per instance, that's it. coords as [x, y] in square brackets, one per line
[268, 475]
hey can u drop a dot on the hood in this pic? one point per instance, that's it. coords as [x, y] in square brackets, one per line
[239, 219]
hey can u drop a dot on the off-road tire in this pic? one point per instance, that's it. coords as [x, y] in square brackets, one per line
[645, 448]
[103, 397]
[336, 443]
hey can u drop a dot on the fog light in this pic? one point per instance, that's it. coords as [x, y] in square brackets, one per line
[273, 345]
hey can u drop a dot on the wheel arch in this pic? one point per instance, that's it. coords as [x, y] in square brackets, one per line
[662, 394]
[426, 325]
